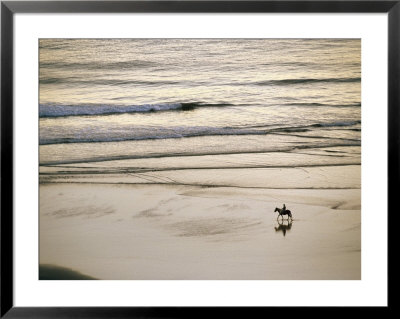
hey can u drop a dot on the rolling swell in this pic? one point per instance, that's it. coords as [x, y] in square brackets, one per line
[83, 110]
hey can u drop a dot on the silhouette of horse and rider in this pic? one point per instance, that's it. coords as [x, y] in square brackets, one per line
[283, 211]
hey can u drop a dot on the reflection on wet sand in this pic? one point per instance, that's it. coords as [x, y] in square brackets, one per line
[284, 226]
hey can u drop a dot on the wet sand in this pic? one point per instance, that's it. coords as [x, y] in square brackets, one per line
[171, 231]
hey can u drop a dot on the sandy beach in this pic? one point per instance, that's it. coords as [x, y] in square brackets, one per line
[147, 231]
[166, 158]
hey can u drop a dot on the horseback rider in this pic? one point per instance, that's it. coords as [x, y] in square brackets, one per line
[283, 208]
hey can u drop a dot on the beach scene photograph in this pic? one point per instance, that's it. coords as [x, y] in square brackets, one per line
[199, 159]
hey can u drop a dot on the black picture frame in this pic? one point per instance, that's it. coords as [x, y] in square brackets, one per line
[9, 8]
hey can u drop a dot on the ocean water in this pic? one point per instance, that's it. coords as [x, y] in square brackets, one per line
[123, 105]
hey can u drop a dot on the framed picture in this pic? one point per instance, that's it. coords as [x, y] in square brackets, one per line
[177, 158]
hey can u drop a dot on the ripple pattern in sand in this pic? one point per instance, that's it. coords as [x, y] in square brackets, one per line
[212, 226]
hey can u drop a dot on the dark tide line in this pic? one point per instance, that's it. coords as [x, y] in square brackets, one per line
[335, 125]
[336, 154]
[128, 157]
[91, 141]
[195, 185]
[194, 135]
[205, 134]
[318, 137]
[146, 170]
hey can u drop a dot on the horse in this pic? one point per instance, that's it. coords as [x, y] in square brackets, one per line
[283, 212]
